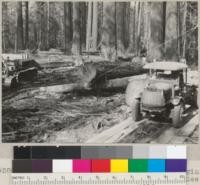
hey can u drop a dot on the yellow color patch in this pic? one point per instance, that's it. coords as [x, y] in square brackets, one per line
[119, 165]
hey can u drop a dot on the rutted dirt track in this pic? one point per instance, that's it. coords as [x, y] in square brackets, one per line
[29, 116]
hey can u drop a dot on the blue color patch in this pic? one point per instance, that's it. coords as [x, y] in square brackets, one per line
[156, 165]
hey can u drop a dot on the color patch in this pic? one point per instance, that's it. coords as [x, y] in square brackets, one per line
[176, 165]
[41, 166]
[81, 166]
[156, 165]
[123, 152]
[62, 166]
[101, 165]
[22, 152]
[157, 152]
[106, 152]
[138, 165]
[22, 166]
[53, 152]
[140, 152]
[176, 152]
[119, 165]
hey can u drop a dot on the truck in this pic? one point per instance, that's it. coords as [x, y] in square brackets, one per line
[164, 93]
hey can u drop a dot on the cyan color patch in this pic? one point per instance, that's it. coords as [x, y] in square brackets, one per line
[156, 165]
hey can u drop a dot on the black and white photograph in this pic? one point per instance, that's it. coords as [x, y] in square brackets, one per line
[100, 72]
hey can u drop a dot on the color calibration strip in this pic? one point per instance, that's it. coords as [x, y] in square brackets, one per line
[101, 152]
[99, 166]
[99, 159]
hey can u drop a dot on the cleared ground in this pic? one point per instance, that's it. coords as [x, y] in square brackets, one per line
[93, 117]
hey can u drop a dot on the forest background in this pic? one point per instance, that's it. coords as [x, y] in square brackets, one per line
[168, 30]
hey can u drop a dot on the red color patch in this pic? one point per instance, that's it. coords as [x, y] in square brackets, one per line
[101, 165]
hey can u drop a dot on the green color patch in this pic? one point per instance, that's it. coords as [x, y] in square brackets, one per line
[138, 165]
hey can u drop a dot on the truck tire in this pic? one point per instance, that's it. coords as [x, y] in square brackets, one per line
[177, 118]
[136, 115]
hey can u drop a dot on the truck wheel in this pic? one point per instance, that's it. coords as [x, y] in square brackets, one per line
[177, 117]
[136, 110]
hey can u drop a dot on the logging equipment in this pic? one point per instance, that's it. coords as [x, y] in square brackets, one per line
[16, 71]
[164, 93]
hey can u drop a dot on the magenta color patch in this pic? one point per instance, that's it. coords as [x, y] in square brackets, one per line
[81, 166]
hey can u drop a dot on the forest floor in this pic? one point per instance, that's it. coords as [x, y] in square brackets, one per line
[80, 117]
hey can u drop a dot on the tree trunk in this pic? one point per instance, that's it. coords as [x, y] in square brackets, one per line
[27, 25]
[89, 27]
[136, 25]
[48, 22]
[178, 29]
[38, 22]
[132, 29]
[156, 38]
[83, 29]
[100, 24]
[76, 45]
[94, 25]
[171, 52]
[20, 37]
[116, 35]
[184, 30]
[120, 24]
[127, 26]
[122, 21]
[108, 43]
[138, 31]
[5, 27]
[164, 25]
[42, 20]
[147, 30]
[67, 27]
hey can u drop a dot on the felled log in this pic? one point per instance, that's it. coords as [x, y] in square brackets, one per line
[61, 88]
[110, 85]
[97, 74]
[100, 76]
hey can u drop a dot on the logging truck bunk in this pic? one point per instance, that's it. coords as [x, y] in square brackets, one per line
[164, 93]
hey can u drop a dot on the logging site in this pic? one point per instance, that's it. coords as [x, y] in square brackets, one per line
[100, 72]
